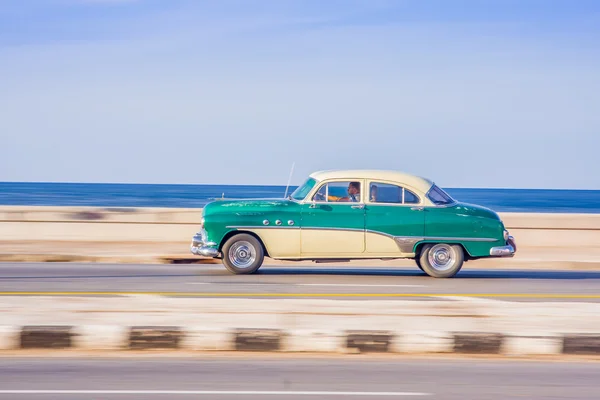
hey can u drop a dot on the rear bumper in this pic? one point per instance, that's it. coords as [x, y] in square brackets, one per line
[201, 247]
[508, 250]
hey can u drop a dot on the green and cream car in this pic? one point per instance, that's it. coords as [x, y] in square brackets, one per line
[347, 215]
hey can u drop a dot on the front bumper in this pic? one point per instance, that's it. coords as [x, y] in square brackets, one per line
[201, 247]
[508, 250]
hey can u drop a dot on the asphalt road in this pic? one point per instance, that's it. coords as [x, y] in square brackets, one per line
[285, 378]
[291, 281]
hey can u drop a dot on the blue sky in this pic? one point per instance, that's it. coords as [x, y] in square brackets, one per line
[469, 93]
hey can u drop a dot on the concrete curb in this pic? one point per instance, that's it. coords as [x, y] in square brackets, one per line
[108, 337]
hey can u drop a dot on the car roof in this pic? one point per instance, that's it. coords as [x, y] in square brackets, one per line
[417, 182]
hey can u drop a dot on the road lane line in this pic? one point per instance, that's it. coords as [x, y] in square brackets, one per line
[353, 285]
[216, 392]
[252, 294]
[300, 284]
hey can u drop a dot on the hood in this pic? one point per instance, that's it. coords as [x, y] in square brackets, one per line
[246, 206]
[475, 210]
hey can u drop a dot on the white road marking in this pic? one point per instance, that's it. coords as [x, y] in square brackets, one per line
[304, 284]
[354, 285]
[215, 392]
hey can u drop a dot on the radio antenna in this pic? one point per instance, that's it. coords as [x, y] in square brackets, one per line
[289, 180]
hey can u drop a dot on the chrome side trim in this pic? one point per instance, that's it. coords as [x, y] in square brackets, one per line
[466, 239]
[380, 233]
[417, 238]
[406, 244]
[405, 205]
[318, 228]
[261, 227]
[295, 227]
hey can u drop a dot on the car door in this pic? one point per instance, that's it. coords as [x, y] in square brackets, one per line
[333, 224]
[394, 219]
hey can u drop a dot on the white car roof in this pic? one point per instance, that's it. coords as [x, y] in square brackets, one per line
[417, 182]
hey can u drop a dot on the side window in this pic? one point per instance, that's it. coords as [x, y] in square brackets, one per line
[321, 194]
[410, 197]
[385, 193]
[391, 194]
[334, 192]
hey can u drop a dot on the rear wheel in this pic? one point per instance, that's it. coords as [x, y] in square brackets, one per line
[418, 262]
[441, 260]
[243, 254]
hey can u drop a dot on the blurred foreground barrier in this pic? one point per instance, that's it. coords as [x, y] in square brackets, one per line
[183, 338]
[143, 323]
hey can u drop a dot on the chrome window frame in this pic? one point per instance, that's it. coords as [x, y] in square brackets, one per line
[404, 187]
[319, 185]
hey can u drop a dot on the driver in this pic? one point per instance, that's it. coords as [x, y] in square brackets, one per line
[354, 191]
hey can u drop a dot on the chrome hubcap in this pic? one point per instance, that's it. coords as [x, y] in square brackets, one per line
[242, 254]
[441, 257]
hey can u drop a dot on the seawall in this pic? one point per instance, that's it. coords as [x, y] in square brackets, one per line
[177, 225]
[31, 227]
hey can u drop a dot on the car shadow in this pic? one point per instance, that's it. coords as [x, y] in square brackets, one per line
[60, 277]
[267, 270]
[463, 274]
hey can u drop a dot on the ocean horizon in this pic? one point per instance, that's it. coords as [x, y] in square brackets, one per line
[197, 196]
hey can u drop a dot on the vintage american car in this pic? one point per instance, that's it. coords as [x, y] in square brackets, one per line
[343, 215]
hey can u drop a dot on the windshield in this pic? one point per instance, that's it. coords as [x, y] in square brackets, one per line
[302, 190]
[438, 196]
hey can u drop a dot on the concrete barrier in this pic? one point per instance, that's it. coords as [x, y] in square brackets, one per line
[348, 342]
[90, 224]
[551, 230]
[146, 323]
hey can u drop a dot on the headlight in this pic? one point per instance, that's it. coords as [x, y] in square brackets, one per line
[505, 234]
[202, 223]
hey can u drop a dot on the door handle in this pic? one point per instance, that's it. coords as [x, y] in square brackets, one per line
[417, 208]
[359, 206]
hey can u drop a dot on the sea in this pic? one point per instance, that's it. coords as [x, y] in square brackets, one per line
[108, 195]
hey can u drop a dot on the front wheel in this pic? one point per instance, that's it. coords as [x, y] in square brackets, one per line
[441, 260]
[243, 254]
